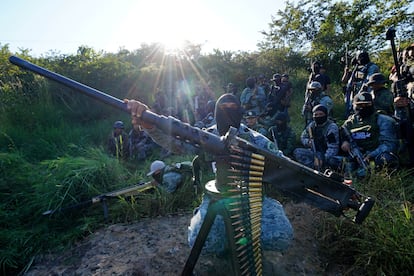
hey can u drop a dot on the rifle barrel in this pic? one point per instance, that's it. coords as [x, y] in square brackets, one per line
[182, 130]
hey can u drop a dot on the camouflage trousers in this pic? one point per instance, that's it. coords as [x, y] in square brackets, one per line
[306, 157]
[276, 230]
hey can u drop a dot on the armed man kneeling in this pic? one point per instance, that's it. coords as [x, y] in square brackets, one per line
[369, 136]
[321, 139]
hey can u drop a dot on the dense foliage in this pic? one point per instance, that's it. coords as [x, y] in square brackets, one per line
[52, 139]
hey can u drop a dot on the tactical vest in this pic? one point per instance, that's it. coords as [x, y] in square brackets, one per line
[365, 133]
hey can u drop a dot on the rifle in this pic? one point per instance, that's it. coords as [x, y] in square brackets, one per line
[296, 180]
[315, 156]
[124, 192]
[272, 130]
[349, 92]
[306, 113]
[355, 152]
[402, 113]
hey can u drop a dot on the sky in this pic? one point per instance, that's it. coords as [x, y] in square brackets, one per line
[61, 26]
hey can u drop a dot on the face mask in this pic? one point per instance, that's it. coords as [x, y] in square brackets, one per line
[225, 116]
[320, 120]
[365, 111]
[281, 126]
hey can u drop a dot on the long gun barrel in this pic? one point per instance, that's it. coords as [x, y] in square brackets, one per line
[349, 93]
[402, 113]
[324, 190]
[211, 142]
[128, 191]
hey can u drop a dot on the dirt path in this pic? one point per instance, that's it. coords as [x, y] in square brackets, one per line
[158, 246]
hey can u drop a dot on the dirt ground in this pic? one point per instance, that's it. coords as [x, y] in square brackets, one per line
[158, 246]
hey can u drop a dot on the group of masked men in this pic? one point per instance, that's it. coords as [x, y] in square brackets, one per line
[374, 135]
[377, 132]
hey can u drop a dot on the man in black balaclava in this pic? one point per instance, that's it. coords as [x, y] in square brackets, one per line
[228, 112]
[321, 141]
[363, 58]
[374, 134]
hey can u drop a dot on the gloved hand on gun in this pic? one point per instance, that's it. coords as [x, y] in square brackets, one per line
[346, 147]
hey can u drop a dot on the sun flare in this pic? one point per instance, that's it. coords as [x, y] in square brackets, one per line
[170, 23]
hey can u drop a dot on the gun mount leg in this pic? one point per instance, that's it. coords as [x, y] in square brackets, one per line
[364, 210]
[216, 207]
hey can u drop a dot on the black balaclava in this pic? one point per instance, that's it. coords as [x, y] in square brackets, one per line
[250, 82]
[320, 120]
[363, 58]
[365, 111]
[226, 117]
[281, 121]
[363, 98]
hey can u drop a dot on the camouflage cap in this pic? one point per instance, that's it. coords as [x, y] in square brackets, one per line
[250, 114]
[362, 98]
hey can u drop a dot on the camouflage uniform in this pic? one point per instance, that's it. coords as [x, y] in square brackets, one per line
[117, 143]
[326, 141]
[383, 98]
[375, 136]
[286, 139]
[253, 98]
[140, 144]
[251, 120]
[406, 125]
[173, 176]
[261, 129]
[362, 75]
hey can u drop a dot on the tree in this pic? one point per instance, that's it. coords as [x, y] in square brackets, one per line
[321, 29]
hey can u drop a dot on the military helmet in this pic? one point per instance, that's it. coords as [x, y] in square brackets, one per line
[119, 124]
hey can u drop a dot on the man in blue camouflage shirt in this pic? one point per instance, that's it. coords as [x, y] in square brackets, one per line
[321, 141]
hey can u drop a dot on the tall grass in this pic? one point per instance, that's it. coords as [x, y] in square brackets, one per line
[384, 243]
